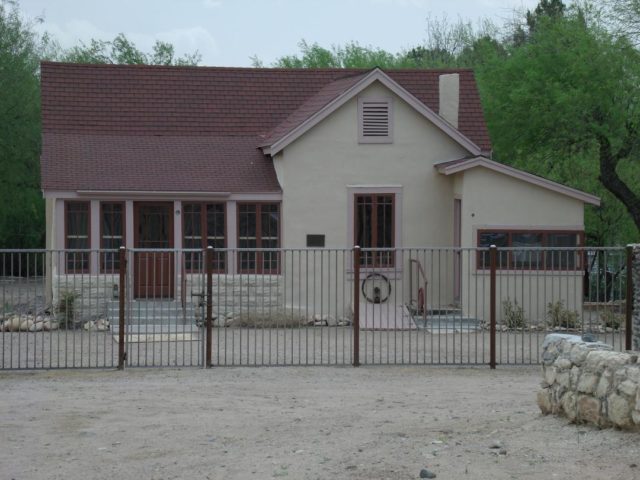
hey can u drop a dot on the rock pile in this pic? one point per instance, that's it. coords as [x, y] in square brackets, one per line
[28, 323]
[589, 383]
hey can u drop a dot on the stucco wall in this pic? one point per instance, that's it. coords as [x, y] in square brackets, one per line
[316, 171]
[494, 200]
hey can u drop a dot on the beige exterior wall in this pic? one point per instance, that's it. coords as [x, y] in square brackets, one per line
[495, 200]
[316, 170]
[317, 173]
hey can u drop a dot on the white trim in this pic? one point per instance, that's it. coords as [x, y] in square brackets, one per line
[152, 196]
[390, 120]
[231, 213]
[448, 168]
[375, 75]
[128, 224]
[94, 239]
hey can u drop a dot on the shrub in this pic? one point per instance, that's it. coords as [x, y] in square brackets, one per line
[513, 314]
[66, 309]
[558, 316]
[275, 319]
[612, 319]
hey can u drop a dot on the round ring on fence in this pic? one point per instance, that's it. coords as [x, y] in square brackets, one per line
[376, 288]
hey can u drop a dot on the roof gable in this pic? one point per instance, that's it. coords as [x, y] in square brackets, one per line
[305, 118]
[461, 165]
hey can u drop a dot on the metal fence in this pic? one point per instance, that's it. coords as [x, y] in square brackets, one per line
[427, 306]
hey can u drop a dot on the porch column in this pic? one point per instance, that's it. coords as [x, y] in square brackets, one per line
[128, 227]
[177, 224]
[232, 236]
[94, 236]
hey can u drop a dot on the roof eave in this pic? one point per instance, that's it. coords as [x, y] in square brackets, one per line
[450, 168]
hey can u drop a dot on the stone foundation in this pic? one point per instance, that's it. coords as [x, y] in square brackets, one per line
[589, 383]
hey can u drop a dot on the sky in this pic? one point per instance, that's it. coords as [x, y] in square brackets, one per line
[230, 32]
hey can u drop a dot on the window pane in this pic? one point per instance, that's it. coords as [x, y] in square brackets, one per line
[384, 229]
[562, 259]
[111, 231]
[499, 239]
[364, 226]
[77, 235]
[216, 233]
[528, 259]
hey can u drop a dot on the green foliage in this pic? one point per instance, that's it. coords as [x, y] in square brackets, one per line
[21, 204]
[559, 316]
[66, 309]
[513, 314]
[22, 219]
[611, 319]
[121, 50]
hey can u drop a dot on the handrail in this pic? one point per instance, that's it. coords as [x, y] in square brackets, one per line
[422, 274]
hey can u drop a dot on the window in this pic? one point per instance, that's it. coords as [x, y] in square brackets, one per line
[551, 255]
[204, 226]
[258, 227]
[374, 228]
[112, 229]
[77, 236]
[375, 120]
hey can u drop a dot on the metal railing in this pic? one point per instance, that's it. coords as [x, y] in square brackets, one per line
[240, 307]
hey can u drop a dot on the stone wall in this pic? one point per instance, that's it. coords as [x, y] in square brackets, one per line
[589, 383]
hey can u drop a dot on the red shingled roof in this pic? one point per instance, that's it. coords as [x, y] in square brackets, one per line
[155, 128]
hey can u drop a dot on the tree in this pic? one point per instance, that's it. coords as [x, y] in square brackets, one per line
[21, 204]
[121, 50]
[571, 93]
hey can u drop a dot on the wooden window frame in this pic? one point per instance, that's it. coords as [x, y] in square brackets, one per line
[374, 223]
[66, 235]
[204, 234]
[259, 270]
[545, 248]
[103, 267]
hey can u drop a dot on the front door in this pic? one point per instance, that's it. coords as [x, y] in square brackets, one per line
[154, 274]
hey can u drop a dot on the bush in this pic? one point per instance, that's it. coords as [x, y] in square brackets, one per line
[513, 314]
[66, 309]
[276, 319]
[612, 319]
[558, 316]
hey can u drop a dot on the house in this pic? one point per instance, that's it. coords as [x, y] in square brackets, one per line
[184, 157]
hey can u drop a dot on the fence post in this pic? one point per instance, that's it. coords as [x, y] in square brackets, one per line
[356, 306]
[122, 354]
[209, 267]
[492, 307]
[628, 326]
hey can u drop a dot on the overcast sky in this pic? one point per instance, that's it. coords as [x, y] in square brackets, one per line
[229, 32]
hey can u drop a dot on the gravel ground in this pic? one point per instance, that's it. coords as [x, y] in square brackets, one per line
[269, 346]
[298, 423]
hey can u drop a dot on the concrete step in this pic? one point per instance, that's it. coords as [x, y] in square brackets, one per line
[155, 329]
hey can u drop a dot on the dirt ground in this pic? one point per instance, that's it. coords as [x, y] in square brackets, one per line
[298, 423]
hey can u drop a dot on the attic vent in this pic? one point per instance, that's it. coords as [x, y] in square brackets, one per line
[375, 120]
